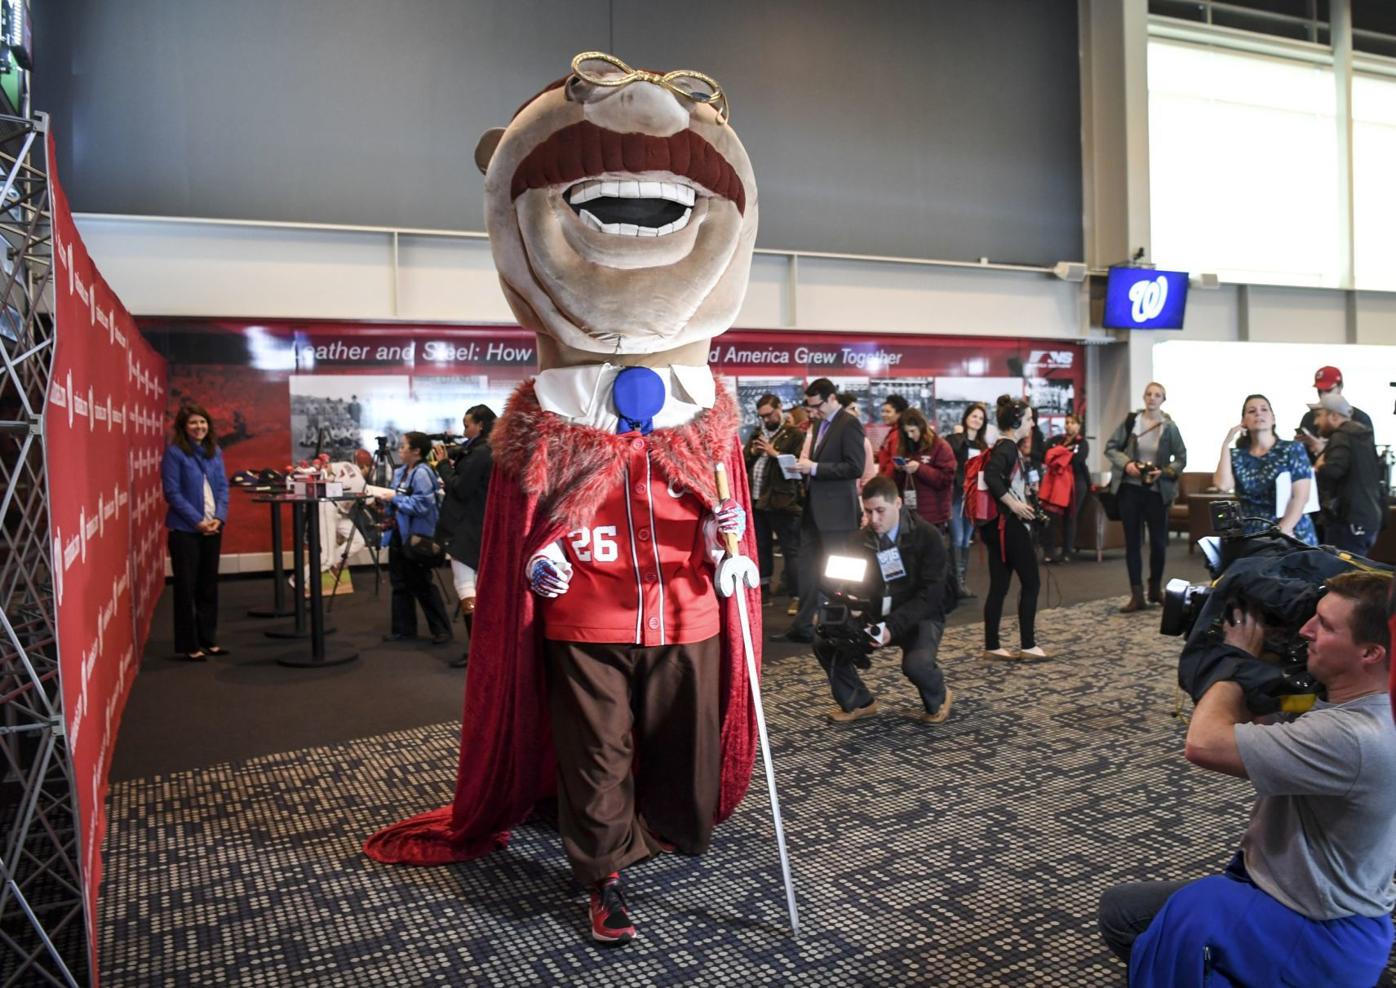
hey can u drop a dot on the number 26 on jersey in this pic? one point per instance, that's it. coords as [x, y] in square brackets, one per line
[597, 544]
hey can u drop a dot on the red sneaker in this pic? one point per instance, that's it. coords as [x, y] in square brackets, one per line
[610, 919]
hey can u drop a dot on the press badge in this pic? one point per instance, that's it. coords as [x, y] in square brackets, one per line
[890, 562]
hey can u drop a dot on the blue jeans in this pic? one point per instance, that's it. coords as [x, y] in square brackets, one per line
[1343, 536]
[961, 528]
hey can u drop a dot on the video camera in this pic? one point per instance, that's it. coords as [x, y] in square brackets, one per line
[1271, 574]
[842, 623]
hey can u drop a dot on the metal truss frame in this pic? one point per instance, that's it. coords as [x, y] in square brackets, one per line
[43, 922]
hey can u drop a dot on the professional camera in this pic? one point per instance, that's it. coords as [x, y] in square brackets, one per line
[1270, 574]
[382, 442]
[842, 623]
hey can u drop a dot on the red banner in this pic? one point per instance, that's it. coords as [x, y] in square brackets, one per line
[104, 432]
[283, 390]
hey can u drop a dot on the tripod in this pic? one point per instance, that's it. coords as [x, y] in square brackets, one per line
[366, 524]
[381, 474]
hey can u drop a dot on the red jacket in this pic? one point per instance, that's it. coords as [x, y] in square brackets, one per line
[550, 478]
[885, 453]
[934, 481]
[1059, 479]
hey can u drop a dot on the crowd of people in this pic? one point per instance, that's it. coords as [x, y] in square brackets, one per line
[1313, 868]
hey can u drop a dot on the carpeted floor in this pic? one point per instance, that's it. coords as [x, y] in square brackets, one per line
[970, 853]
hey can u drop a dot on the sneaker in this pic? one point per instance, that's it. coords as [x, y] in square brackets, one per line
[841, 716]
[610, 919]
[794, 607]
[941, 715]
[1000, 653]
[1034, 654]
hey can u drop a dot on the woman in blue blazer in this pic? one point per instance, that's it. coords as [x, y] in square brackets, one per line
[413, 510]
[196, 490]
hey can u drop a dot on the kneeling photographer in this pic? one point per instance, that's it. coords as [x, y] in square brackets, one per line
[1307, 898]
[899, 598]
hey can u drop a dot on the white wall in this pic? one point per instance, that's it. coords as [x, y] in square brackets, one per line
[1208, 381]
[171, 267]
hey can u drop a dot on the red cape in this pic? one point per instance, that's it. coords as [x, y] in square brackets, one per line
[549, 477]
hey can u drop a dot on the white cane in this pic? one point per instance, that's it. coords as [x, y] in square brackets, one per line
[734, 574]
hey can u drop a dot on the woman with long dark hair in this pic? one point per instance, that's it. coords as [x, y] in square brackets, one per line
[1265, 470]
[465, 476]
[967, 441]
[1008, 539]
[927, 472]
[196, 492]
[1063, 529]
[893, 444]
[412, 510]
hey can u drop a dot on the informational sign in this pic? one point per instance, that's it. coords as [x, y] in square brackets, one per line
[279, 392]
[104, 435]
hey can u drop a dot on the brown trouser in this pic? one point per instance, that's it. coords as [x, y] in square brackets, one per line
[638, 747]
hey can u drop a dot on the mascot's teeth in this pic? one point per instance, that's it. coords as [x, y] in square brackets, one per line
[630, 229]
[672, 191]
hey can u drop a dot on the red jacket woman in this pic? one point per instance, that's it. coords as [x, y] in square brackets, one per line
[928, 470]
[893, 408]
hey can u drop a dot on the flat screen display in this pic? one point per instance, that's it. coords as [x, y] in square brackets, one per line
[1145, 298]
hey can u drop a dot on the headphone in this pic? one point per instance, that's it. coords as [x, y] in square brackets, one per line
[1020, 411]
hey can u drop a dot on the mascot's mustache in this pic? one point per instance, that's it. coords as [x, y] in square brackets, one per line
[584, 149]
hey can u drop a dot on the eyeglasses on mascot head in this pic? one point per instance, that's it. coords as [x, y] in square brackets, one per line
[621, 209]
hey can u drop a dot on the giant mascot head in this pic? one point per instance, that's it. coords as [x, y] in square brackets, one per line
[621, 210]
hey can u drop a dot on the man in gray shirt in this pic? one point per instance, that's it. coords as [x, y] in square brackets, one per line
[1309, 895]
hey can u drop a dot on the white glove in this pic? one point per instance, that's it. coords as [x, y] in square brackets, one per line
[549, 577]
[731, 519]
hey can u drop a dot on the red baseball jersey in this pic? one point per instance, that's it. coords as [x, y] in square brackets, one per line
[642, 571]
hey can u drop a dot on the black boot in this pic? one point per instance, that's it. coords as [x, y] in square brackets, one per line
[1155, 594]
[469, 616]
[962, 565]
[1136, 600]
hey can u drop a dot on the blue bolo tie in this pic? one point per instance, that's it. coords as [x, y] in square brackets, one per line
[638, 393]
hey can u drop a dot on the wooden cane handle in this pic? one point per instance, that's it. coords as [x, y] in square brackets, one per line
[724, 491]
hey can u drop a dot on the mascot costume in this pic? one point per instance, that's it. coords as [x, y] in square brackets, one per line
[605, 668]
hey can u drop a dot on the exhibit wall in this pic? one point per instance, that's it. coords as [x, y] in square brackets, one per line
[280, 392]
[104, 433]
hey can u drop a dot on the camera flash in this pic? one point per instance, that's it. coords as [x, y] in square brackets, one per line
[846, 569]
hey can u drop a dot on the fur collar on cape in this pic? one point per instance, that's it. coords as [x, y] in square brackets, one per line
[570, 468]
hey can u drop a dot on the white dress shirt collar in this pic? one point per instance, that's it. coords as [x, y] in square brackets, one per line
[582, 395]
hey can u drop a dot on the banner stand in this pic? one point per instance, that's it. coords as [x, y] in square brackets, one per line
[42, 909]
[82, 429]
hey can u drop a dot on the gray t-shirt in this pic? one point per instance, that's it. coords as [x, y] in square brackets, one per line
[1146, 440]
[1322, 836]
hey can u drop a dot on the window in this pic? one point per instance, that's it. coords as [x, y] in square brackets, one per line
[1243, 166]
[1373, 190]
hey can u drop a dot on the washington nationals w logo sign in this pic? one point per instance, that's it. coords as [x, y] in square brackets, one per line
[1147, 298]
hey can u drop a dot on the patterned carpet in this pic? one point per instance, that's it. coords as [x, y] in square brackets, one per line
[968, 853]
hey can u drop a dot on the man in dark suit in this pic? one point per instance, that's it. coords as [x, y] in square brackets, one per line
[832, 512]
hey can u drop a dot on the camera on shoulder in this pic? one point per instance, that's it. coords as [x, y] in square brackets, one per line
[1269, 574]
